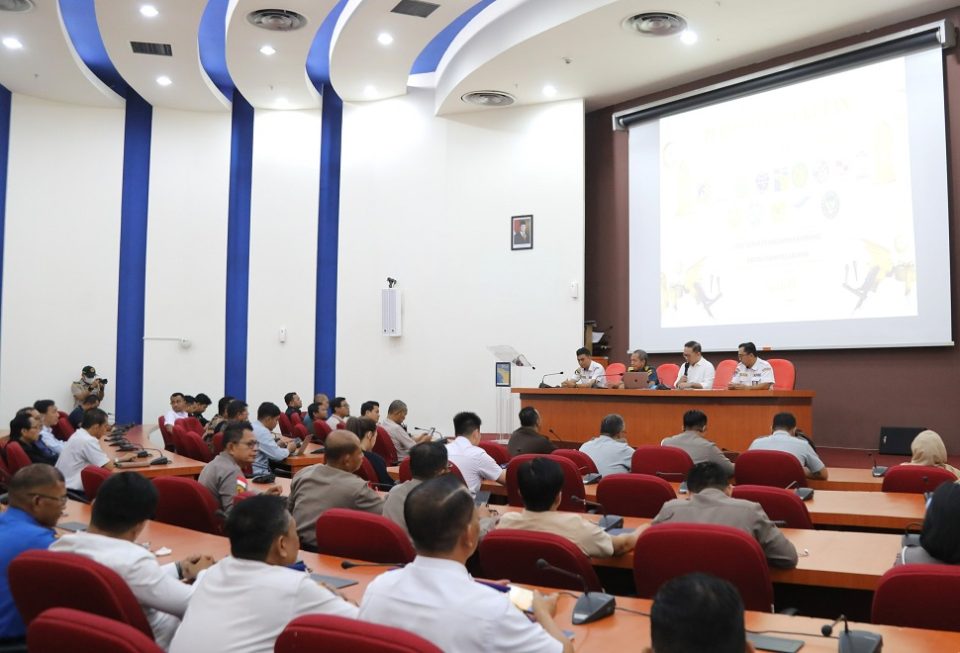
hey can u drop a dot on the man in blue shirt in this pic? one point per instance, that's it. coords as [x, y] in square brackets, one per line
[268, 416]
[37, 497]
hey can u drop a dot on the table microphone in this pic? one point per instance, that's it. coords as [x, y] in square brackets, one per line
[347, 564]
[591, 606]
[544, 385]
[878, 470]
[607, 521]
[853, 641]
[160, 460]
[555, 436]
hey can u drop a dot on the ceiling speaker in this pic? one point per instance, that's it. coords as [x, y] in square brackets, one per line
[488, 98]
[655, 23]
[276, 20]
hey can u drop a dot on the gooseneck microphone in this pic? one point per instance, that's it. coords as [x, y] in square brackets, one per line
[853, 641]
[606, 521]
[878, 470]
[555, 436]
[591, 606]
[545, 385]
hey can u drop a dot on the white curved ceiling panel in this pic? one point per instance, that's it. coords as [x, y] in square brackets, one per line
[47, 65]
[176, 24]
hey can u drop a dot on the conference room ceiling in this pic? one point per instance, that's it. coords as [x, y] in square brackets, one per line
[197, 53]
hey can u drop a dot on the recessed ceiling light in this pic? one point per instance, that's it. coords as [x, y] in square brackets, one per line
[688, 36]
[267, 50]
[163, 80]
[282, 102]
[12, 43]
[370, 90]
[383, 38]
[549, 90]
[149, 11]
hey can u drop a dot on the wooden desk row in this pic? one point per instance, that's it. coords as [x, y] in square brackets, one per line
[622, 631]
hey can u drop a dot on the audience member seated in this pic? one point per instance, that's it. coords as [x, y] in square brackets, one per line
[25, 431]
[236, 412]
[692, 441]
[83, 448]
[474, 463]
[752, 372]
[710, 503]
[49, 416]
[527, 438]
[323, 405]
[201, 403]
[189, 405]
[928, 450]
[318, 488]
[211, 427]
[940, 537]
[223, 475]
[178, 410]
[427, 460]
[313, 414]
[697, 373]
[638, 363]
[124, 504]
[37, 496]
[540, 481]
[293, 402]
[76, 415]
[435, 597]
[609, 451]
[365, 428]
[340, 411]
[785, 439]
[247, 599]
[268, 416]
[589, 373]
[370, 410]
[697, 613]
[393, 423]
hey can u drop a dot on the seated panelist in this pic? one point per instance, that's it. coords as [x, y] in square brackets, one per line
[589, 373]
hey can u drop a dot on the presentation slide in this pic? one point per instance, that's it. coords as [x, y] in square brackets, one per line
[807, 216]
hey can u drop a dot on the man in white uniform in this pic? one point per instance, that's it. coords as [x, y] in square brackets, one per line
[589, 373]
[697, 372]
[752, 373]
[474, 463]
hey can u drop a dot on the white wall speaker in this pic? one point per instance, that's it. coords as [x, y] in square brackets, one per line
[390, 311]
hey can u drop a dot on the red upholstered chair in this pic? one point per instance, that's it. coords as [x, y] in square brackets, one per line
[584, 463]
[191, 424]
[918, 596]
[184, 502]
[779, 504]
[217, 443]
[295, 418]
[497, 451]
[299, 431]
[775, 468]
[41, 579]
[367, 472]
[314, 632]
[63, 629]
[513, 554]
[668, 373]
[634, 495]
[16, 457]
[671, 463]
[784, 373]
[285, 426]
[910, 478]
[321, 430]
[177, 437]
[724, 374]
[63, 429]
[383, 446]
[192, 446]
[362, 536]
[665, 551]
[4, 475]
[92, 478]
[572, 482]
[168, 443]
[614, 373]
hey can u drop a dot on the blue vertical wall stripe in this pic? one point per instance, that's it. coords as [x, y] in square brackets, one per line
[133, 258]
[5, 97]
[325, 350]
[238, 247]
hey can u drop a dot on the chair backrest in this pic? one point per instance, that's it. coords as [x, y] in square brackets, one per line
[92, 478]
[513, 554]
[774, 468]
[367, 472]
[16, 457]
[614, 373]
[299, 431]
[192, 446]
[4, 475]
[918, 596]
[295, 418]
[285, 426]
[779, 504]
[315, 632]
[668, 373]
[634, 495]
[383, 445]
[723, 373]
[41, 579]
[572, 482]
[168, 443]
[912, 478]
[584, 463]
[672, 462]
[784, 373]
[362, 536]
[184, 502]
[321, 430]
[63, 429]
[217, 443]
[177, 437]
[665, 551]
[64, 629]
[191, 424]
[497, 451]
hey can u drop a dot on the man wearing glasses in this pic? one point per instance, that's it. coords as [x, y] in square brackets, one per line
[223, 475]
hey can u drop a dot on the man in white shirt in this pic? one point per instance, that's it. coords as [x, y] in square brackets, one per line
[784, 438]
[435, 597]
[244, 602]
[49, 416]
[402, 440]
[83, 448]
[178, 410]
[339, 412]
[589, 373]
[752, 373]
[609, 451]
[124, 504]
[697, 372]
[474, 463]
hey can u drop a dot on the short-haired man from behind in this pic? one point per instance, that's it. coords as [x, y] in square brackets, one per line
[752, 372]
[697, 613]
[124, 504]
[49, 416]
[333, 484]
[589, 373]
[540, 481]
[37, 497]
[268, 416]
[435, 597]
[696, 373]
[247, 599]
[710, 503]
[402, 440]
[83, 448]
[474, 463]
[223, 475]
[785, 438]
[527, 438]
[427, 460]
[609, 451]
[692, 441]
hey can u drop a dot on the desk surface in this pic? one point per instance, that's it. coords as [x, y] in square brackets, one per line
[178, 465]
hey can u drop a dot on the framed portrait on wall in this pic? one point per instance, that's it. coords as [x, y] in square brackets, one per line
[521, 232]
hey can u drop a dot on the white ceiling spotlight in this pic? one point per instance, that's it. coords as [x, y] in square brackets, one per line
[267, 50]
[12, 43]
[370, 91]
[688, 37]
[549, 90]
[384, 38]
[149, 11]
[163, 80]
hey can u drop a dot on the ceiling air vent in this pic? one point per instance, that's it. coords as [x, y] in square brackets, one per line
[16, 5]
[159, 49]
[417, 8]
[276, 20]
[488, 98]
[655, 23]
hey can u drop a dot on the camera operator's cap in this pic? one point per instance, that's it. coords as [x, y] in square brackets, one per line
[89, 371]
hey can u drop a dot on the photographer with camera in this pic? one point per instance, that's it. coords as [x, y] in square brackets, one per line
[89, 384]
